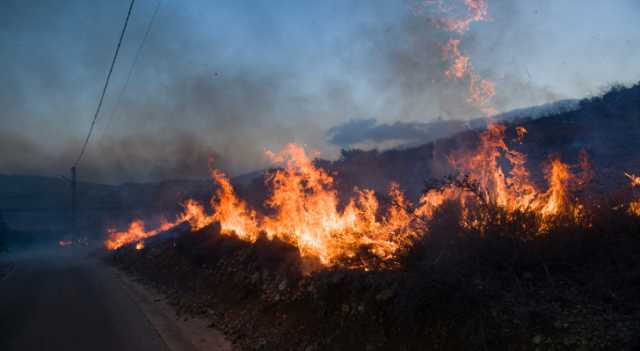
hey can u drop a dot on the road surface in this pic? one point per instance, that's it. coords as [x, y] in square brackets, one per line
[62, 299]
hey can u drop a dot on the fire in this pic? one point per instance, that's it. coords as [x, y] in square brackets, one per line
[307, 214]
[305, 207]
[495, 176]
[556, 198]
[306, 210]
[476, 10]
[634, 206]
[193, 213]
[460, 65]
[233, 214]
[479, 90]
[635, 180]
[135, 233]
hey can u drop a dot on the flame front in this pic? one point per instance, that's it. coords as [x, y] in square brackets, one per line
[305, 208]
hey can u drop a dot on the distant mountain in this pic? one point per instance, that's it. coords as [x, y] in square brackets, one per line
[370, 134]
[607, 127]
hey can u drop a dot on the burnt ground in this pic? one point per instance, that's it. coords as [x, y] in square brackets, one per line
[573, 289]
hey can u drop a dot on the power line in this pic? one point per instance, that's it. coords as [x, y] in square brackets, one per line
[106, 84]
[133, 65]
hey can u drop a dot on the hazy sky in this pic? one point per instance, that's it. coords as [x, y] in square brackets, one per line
[220, 81]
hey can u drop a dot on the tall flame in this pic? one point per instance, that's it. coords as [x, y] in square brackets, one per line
[495, 175]
[307, 214]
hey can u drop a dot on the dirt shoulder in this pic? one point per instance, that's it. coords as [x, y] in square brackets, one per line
[180, 333]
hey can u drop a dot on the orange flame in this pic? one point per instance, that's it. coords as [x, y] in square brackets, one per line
[488, 183]
[306, 214]
[135, 233]
[634, 206]
[635, 180]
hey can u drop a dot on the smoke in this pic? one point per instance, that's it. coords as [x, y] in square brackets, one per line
[406, 66]
[184, 107]
[228, 80]
[141, 157]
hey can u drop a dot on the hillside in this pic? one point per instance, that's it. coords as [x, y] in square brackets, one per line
[606, 127]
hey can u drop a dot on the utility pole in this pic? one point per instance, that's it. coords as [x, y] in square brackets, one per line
[73, 204]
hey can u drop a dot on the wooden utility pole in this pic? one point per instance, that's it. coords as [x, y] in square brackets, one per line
[73, 204]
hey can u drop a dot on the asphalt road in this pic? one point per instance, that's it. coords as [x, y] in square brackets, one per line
[62, 299]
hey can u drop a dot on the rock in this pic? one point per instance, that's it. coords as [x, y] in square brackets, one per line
[537, 339]
[384, 295]
[568, 341]
[283, 285]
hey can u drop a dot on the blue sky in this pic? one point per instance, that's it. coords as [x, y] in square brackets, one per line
[230, 78]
